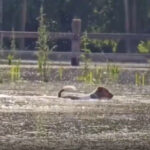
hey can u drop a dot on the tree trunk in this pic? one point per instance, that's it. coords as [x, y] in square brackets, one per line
[1, 23]
[134, 21]
[1, 14]
[134, 42]
[23, 21]
[127, 23]
[127, 17]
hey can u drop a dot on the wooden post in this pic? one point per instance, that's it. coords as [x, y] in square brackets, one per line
[134, 17]
[76, 30]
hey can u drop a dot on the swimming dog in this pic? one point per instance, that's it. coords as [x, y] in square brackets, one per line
[98, 93]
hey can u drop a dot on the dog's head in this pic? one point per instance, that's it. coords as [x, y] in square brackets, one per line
[101, 93]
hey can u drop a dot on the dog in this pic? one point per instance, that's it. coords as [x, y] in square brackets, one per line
[98, 93]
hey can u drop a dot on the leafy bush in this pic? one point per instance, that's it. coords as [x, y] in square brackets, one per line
[98, 45]
[102, 46]
[144, 47]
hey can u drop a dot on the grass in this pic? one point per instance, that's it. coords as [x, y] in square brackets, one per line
[61, 73]
[15, 72]
[139, 79]
[99, 74]
[110, 73]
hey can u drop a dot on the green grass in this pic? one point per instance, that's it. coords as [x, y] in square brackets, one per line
[110, 73]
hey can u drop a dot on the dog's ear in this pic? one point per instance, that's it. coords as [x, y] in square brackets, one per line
[100, 89]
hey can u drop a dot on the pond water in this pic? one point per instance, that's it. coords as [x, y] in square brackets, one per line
[32, 117]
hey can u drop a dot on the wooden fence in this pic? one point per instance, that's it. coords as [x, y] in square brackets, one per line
[75, 37]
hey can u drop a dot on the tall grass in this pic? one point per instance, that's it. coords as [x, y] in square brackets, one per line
[15, 72]
[139, 79]
[61, 72]
[87, 75]
[11, 55]
[85, 57]
[113, 72]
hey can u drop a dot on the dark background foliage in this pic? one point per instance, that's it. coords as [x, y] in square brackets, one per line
[97, 16]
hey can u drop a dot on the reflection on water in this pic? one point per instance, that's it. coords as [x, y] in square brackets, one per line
[55, 104]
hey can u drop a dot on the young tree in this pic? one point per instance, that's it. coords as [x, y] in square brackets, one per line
[42, 46]
[1, 22]
[1, 14]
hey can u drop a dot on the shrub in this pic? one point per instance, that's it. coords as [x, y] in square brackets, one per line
[144, 47]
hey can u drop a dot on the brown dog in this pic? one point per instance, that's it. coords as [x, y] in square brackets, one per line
[99, 93]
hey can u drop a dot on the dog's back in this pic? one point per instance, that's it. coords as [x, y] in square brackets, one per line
[99, 93]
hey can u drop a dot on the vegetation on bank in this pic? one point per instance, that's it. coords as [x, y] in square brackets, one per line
[98, 74]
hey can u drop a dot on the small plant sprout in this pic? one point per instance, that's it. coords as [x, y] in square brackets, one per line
[101, 74]
[98, 74]
[113, 72]
[139, 79]
[87, 78]
[61, 72]
[15, 73]
[10, 57]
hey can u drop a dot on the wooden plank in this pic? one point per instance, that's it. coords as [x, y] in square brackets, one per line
[22, 34]
[96, 57]
[70, 35]
[61, 35]
[76, 29]
[19, 34]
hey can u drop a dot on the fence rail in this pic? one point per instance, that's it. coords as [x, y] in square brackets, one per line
[70, 35]
[27, 34]
[75, 37]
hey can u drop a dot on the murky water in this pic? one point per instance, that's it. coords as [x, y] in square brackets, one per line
[32, 117]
